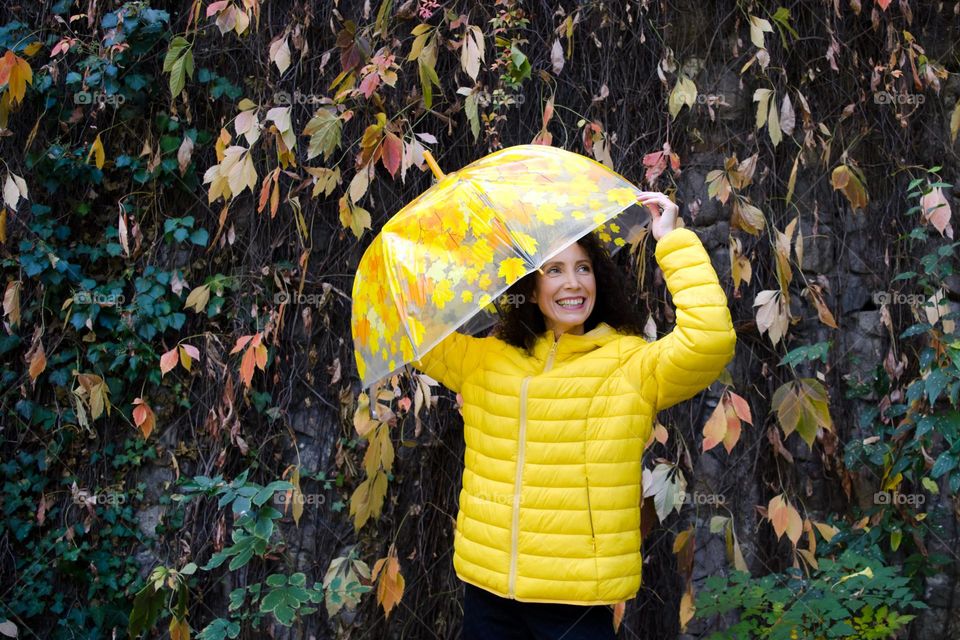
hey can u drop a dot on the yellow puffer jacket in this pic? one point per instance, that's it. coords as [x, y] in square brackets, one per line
[550, 505]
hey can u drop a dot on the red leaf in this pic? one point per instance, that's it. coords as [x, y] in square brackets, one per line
[392, 153]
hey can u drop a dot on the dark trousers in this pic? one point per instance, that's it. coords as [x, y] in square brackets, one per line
[487, 616]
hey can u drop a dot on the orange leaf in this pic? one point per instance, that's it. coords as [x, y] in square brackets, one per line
[733, 426]
[168, 361]
[144, 417]
[264, 192]
[246, 366]
[784, 518]
[715, 429]
[241, 343]
[618, 610]
[38, 362]
[391, 583]
[741, 407]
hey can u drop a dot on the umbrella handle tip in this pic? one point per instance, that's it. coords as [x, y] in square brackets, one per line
[432, 163]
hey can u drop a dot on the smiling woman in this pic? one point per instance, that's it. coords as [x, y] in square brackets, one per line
[566, 290]
[558, 407]
[584, 269]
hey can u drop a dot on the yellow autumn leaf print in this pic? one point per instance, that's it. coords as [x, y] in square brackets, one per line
[512, 269]
[622, 196]
[442, 294]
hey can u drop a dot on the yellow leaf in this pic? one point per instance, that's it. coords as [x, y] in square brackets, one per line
[763, 97]
[97, 152]
[757, 28]
[362, 421]
[185, 358]
[198, 299]
[687, 608]
[808, 556]
[955, 122]
[826, 530]
[683, 93]
[11, 302]
[18, 75]
[297, 496]
[792, 181]
[367, 499]
[512, 269]
[845, 180]
[773, 124]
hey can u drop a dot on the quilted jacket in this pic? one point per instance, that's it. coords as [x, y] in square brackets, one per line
[550, 505]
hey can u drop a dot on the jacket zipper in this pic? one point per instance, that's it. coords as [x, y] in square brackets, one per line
[521, 444]
[593, 534]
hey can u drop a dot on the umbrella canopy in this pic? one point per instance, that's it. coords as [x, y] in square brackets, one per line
[440, 262]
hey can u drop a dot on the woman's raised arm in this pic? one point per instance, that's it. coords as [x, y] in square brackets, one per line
[453, 359]
[693, 355]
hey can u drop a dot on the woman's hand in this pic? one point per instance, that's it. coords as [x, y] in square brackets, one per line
[663, 212]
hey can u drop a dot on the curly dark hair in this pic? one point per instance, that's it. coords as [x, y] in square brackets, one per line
[521, 324]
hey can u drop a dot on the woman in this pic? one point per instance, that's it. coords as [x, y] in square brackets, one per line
[557, 409]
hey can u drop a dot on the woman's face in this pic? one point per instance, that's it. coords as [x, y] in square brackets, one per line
[566, 291]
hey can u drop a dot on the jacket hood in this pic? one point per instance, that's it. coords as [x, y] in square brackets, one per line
[571, 344]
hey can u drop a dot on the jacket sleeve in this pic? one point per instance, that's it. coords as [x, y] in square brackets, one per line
[452, 359]
[693, 355]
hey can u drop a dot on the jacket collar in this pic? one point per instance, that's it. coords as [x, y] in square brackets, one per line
[569, 343]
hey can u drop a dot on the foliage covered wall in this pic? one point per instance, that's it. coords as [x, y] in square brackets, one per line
[188, 189]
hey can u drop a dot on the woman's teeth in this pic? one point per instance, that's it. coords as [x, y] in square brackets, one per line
[571, 302]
